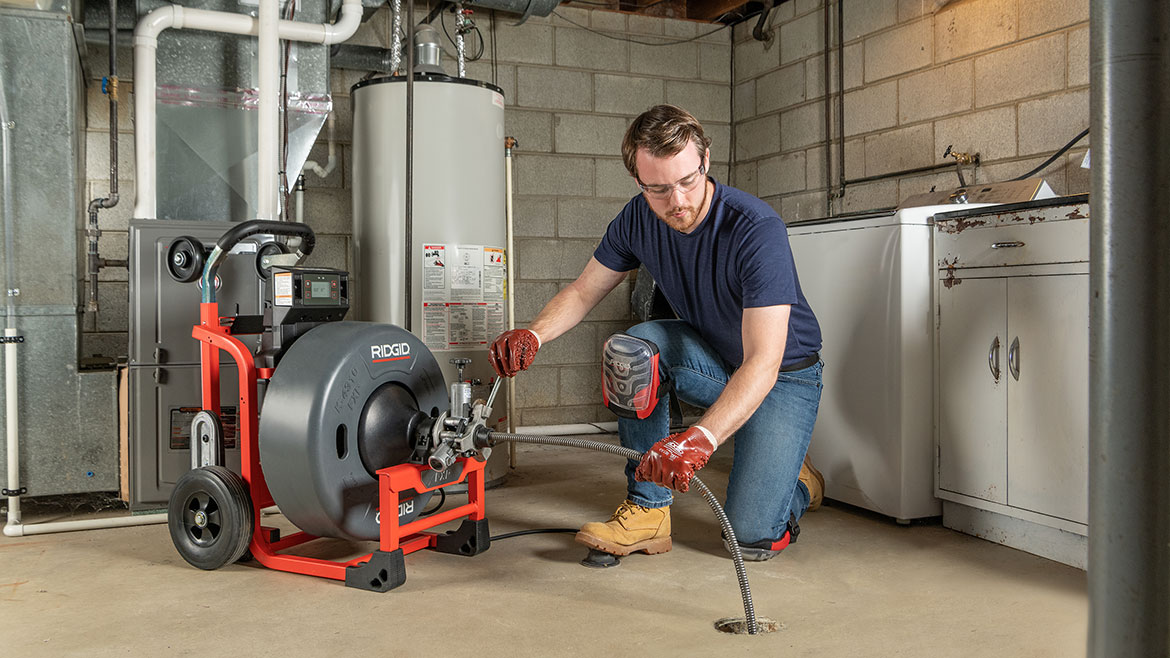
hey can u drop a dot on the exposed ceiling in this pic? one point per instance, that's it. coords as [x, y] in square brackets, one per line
[709, 11]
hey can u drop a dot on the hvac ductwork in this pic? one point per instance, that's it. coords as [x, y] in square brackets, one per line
[525, 8]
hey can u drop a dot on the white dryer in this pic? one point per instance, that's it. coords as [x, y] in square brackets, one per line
[868, 280]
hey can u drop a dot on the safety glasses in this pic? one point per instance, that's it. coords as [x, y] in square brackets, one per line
[685, 184]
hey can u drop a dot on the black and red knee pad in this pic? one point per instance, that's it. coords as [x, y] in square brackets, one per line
[631, 379]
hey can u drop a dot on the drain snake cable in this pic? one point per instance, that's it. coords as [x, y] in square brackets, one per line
[736, 555]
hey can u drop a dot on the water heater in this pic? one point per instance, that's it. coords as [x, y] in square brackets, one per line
[457, 273]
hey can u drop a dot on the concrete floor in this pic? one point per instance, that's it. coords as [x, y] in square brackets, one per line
[854, 585]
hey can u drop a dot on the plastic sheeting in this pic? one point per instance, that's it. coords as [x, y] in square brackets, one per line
[207, 146]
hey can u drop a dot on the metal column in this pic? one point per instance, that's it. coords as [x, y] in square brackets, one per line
[1129, 391]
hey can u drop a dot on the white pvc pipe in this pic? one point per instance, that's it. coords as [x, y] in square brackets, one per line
[267, 141]
[13, 526]
[316, 168]
[145, 49]
[21, 530]
[11, 396]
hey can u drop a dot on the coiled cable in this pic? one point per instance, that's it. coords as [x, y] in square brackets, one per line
[736, 555]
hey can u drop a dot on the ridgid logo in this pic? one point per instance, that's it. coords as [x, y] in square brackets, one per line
[394, 352]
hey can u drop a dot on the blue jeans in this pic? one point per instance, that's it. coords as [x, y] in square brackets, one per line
[763, 490]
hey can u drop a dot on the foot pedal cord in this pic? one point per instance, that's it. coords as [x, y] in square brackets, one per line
[736, 556]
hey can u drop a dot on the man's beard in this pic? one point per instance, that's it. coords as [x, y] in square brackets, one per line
[689, 219]
[682, 223]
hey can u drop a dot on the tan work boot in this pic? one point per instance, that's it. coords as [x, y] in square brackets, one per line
[631, 528]
[815, 482]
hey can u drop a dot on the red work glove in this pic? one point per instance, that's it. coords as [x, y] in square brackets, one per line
[672, 462]
[513, 351]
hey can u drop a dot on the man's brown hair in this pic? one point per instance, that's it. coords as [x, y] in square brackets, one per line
[663, 131]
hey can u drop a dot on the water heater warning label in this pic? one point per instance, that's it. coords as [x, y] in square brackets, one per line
[463, 295]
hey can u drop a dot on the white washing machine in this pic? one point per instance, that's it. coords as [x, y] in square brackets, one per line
[869, 282]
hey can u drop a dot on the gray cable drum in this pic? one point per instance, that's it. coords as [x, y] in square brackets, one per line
[458, 199]
[337, 409]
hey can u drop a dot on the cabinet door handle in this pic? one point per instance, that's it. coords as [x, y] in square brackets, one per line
[993, 358]
[1006, 245]
[1014, 358]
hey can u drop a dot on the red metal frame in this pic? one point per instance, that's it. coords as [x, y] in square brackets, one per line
[214, 336]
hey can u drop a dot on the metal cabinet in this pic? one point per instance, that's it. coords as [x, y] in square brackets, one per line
[1048, 395]
[1013, 404]
[1012, 376]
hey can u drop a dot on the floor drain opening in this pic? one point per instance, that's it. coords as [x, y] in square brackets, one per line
[739, 625]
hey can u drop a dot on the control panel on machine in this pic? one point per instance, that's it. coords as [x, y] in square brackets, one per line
[298, 287]
[300, 298]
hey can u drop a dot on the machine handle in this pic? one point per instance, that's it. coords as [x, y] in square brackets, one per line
[1007, 245]
[993, 358]
[495, 389]
[243, 230]
[1014, 358]
[289, 229]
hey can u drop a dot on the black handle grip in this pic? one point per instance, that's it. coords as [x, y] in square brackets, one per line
[252, 227]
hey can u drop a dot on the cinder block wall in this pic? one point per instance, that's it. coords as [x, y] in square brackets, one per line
[1005, 78]
[576, 92]
[570, 92]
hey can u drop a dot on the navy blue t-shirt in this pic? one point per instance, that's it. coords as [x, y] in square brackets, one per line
[737, 258]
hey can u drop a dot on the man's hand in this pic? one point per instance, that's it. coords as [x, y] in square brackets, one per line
[672, 462]
[513, 351]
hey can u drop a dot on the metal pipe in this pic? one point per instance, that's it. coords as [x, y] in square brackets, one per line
[828, 113]
[7, 126]
[110, 85]
[396, 38]
[510, 144]
[840, 98]
[408, 240]
[1129, 348]
[903, 172]
[11, 379]
[460, 55]
[299, 191]
[363, 58]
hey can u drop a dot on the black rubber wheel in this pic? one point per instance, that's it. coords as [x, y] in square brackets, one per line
[268, 249]
[210, 517]
[185, 259]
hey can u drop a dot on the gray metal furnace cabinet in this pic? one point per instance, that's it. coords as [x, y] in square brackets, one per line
[1012, 375]
[164, 386]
